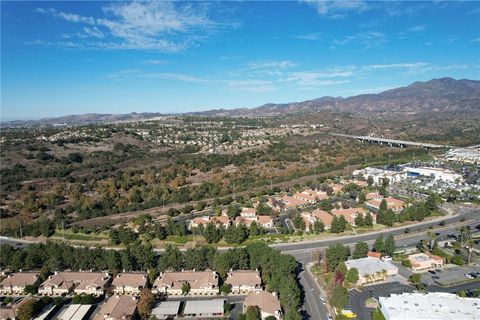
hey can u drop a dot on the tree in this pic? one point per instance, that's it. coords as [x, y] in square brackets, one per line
[335, 254]
[211, 233]
[298, 222]
[338, 224]
[339, 297]
[368, 220]
[225, 289]
[458, 260]
[28, 309]
[415, 278]
[318, 227]
[352, 276]
[370, 181]
[253, 313]
[30, 289]
[406, 263]
[433, 201]
[185, 288]
[360, 251]
[145, 303]
[233, 211]
[379, 245]
[389, 247]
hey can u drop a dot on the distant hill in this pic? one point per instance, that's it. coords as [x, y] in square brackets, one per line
[438, 95]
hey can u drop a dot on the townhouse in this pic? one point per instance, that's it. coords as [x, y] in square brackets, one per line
[63, 283]
[117, 308]
[222, 220]
[244, 281]
[130, 283]
[200, 283]
[15, 283]
[267, 302]
[351, 213]
[249, 215]
[393, 204]
[317, 215]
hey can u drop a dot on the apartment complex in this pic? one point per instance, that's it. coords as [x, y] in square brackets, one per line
[62, 283]
[199, 283]
[15, 283]
[130, 283]
[267, 302]
[244, 281]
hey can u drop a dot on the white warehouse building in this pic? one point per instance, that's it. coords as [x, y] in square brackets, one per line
[379, 175]
[436, 173]
[430, 306]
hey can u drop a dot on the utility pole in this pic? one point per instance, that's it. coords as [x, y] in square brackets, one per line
[63, 229]
[21, 233]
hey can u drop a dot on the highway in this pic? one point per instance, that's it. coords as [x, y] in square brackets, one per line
[391, 142]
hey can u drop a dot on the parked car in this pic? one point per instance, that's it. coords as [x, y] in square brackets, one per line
[436, 278]
[329, 316]
[387, 258]
[432, 272]
[323, 300]
[469, 276]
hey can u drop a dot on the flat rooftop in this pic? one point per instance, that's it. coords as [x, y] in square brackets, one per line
[369, 265]
[430, 306]
[166, 308]
[214, 306]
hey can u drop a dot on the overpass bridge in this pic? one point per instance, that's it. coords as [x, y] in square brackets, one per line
[391, 142]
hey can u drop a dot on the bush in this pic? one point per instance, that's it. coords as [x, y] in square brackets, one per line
[406, 263]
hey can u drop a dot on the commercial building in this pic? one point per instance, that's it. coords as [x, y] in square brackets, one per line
[429, 306]
[267, 302]
[372, 269]
[166, 310]
[15, 283]
[117, 308]
[204, 308]
[62, 283]
[244, 281]
[466, 155]
[200, 283]
[380, 175]
[129, 283]
[425, 261]
[435, 173]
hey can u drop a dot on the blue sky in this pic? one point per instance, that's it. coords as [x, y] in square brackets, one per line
[69, 57]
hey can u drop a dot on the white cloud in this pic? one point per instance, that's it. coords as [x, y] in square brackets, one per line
[318, 36]
[284, 64]
[150, 25]
[475, 40]
[368, 39]
[337, 9]
[418, 28]
[395, 65]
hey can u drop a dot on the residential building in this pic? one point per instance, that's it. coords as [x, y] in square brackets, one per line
[130, 283]
[267, 302]
[15, 283]
[117, 308]
[292, 203]
[244, 281]
[166, 310]
[336, 187]
[222, 220]
[265, 221]
[351, 213]
[62, 283]
[200, 283]
[393, 204]
[372, 269]
[373, 196]
[317, 215]
[9, 312]
[248, 213]
[247, 219]
[424, 261]
[204, 308]
[429, 306]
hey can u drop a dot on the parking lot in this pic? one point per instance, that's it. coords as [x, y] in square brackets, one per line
[448, 277]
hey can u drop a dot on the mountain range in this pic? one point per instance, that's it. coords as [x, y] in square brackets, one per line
[446, 95]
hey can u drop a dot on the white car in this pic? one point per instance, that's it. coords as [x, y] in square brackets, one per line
[387, 258]
[323, 300]
[469, 276]
[329, 316]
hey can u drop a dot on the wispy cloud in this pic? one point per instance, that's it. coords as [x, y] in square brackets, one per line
[317, 36]
[415, 65]
[475, 40]
[150, 25]
[258, 86]
[368, 39]
[337, 9]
